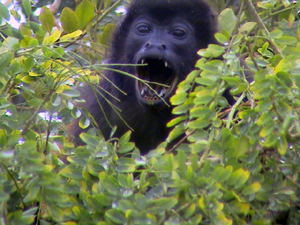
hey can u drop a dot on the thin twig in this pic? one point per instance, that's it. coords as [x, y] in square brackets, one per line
[262, 26]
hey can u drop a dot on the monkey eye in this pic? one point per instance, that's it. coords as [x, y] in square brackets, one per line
[144, 29]
[178, 33]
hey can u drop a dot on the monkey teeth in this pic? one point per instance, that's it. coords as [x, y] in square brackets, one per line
[152, 95]
[143, 61]
[163, 92]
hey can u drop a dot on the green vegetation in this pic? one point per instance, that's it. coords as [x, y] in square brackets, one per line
[236, 165]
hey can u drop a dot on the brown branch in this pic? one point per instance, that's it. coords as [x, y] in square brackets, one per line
[55, 6]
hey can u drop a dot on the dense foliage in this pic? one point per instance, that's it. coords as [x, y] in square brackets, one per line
[236, 164]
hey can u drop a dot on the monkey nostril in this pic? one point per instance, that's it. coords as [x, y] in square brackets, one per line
[150, 45]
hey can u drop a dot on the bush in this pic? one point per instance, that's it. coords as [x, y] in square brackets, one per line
[236, 164]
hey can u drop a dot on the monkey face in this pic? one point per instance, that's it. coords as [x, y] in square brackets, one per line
[166, 51]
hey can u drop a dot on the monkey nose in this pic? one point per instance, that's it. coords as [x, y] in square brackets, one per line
[158, 46]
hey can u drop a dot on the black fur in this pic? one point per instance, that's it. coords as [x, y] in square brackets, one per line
[129, 46]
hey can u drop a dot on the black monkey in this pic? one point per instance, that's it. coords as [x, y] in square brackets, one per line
[165, 35]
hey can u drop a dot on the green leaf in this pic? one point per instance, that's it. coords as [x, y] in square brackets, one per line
[89, 139]
[164, 203]
[56, 100]
[125, 138]
[5, 59]
[190, 211]
[126, 205]
[126, 147]
[116, 216]
[199, 123]
[69, 20]
[276, 33]
[247, 27]
[181, 109]
[58, 52]
[3, 12]
[37, 29]
[266, 4]
[216, 50]
[103, 199]
[15, 14]
[176, 132]
[85, 13]
[227, 20]
[239, 177]
[178, 98]
[200, 112]
[141, 201]
[221, 38]
[111, 185]
[286, 40]
[28, 64]
[84, 122]
[27, 7]
[283, 66]
[126, 165]
[222, 174]
[14, 138]
[4, 104]
[107, 33]
[177, 120]
[47, 19]
[6, 155]
[3, 137]
[71, 93]
[251, 189]
[204, 96]
[282, 145]
[263, 89]
[239, 148]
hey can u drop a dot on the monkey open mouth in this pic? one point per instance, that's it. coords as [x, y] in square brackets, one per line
[160, 77]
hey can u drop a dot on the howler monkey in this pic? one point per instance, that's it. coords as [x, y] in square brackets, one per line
[165, 35]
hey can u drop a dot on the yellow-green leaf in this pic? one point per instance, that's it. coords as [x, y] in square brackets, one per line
[53, 38]
[227, 20]
[69, 20]
[251, 189]
[178, 98]
[247, 27]
[84, 122]
[239, 177]
[47, 19]
[85, 13]
[67, 37]
[282, 145]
